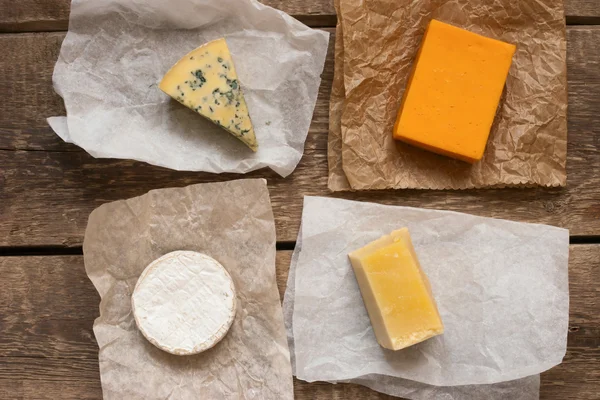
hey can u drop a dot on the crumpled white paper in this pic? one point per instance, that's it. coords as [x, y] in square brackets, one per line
[117, 51]
[520, 389]
[501, 288]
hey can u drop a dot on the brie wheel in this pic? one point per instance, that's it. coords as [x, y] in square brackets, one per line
[184, 302]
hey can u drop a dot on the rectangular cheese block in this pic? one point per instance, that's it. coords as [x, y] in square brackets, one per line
[205, 81]
[396, 292]
[453, 93]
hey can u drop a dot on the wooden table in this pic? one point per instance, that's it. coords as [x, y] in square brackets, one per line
[48, 188]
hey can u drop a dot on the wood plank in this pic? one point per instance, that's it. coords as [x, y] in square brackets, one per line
[53, 15]
[28, 96]
[34, 15]
[48, 351]
[582, 11]
[47, 195]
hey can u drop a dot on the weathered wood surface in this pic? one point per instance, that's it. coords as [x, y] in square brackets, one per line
[48, 350]
[53, 15]
[48, 188]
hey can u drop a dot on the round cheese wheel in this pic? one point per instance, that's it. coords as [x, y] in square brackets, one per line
[184, 302]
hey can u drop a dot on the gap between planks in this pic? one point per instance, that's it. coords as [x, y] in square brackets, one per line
[583, 20]
[37, 251]
[313, 21]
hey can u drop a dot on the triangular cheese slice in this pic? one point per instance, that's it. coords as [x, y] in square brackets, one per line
[206, 82]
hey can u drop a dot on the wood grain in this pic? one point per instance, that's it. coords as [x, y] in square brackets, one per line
[53, 15]
[48, 188]
[26, 87]
[46, 195]
[48, 351]
[582, 12]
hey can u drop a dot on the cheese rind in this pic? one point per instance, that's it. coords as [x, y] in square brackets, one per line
[396, 292]
[453, 92]
[205, 81]
[184, 302]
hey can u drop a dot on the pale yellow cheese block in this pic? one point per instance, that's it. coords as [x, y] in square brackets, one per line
[206, 82]
[396, 292]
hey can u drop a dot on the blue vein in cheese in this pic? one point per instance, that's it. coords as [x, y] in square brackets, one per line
[205, 81]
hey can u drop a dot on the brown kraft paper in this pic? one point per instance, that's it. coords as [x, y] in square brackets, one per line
[528, 140]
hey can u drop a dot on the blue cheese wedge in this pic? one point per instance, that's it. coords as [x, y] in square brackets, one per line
[184, 302]
[206, 82]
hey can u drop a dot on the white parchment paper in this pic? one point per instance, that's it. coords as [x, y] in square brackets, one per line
[501, 288]
[520, 389]
[229, 221]
[117, 51]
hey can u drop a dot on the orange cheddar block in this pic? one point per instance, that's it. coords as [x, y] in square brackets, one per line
[452, 95]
